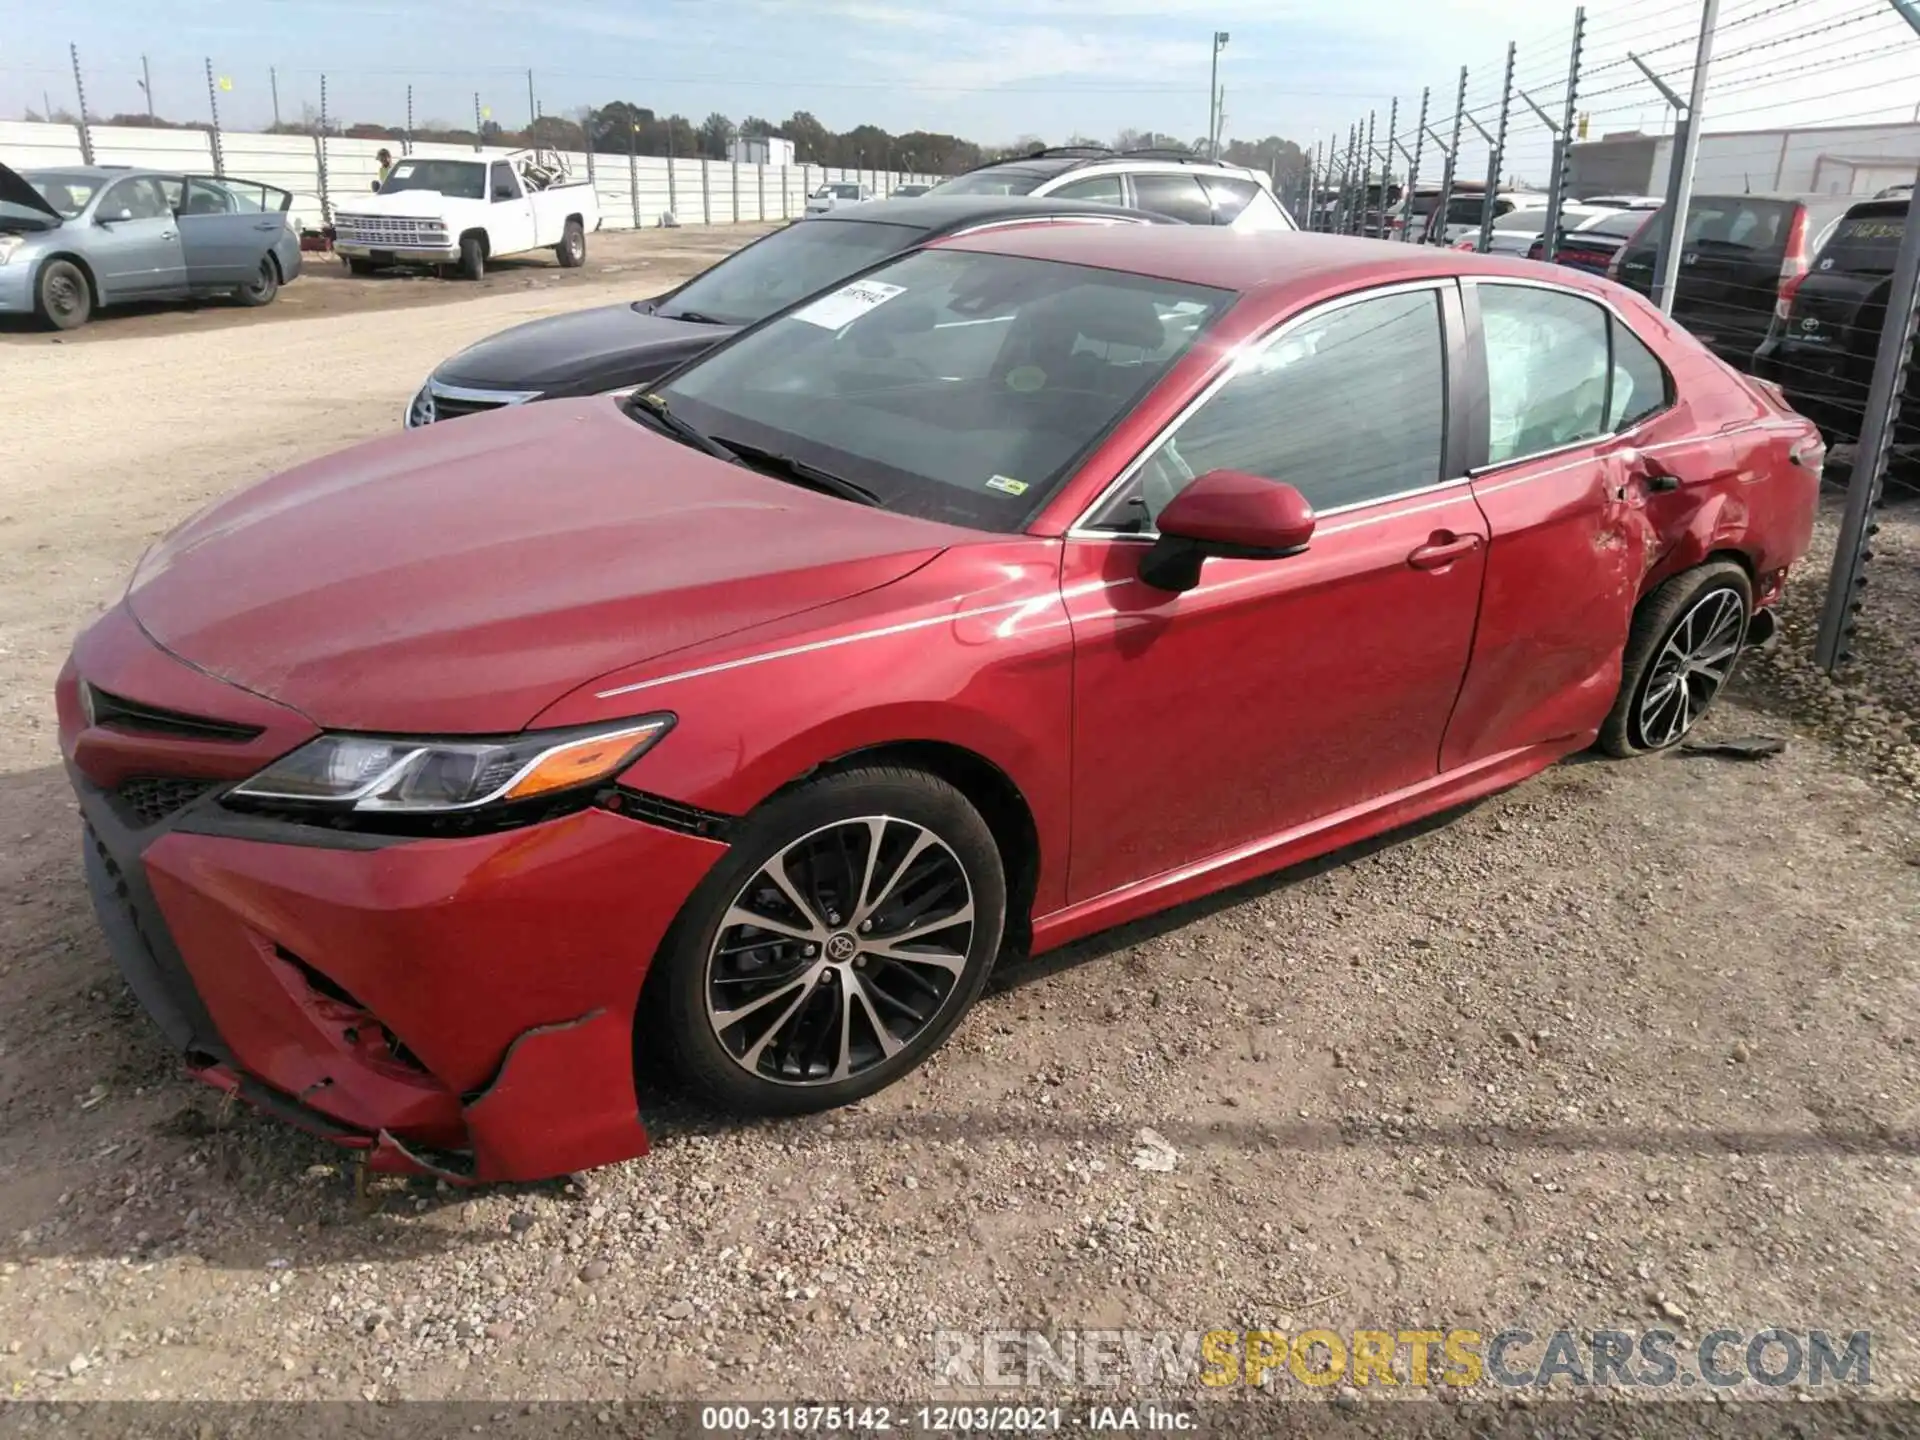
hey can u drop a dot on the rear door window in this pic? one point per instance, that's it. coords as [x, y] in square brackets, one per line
[1229, 196]
[1178, 197]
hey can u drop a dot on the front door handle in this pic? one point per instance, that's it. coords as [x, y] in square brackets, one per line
[1662, 482]
[1442, 550]
[266, 224]
[167, 234]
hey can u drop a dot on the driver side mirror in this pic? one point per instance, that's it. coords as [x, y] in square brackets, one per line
[1231, 514]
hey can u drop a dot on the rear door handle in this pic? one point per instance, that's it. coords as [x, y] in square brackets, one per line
[266, 224]
[167, 234]
[1437, 553]
[1662, 482]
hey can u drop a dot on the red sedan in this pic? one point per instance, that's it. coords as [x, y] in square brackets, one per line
[1025, 585]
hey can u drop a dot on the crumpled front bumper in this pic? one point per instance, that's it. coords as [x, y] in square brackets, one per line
[462, 1006]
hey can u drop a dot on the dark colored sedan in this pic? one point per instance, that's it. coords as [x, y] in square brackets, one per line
[621, 347]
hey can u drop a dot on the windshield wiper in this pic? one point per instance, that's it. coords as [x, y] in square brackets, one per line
[801, 473]
[653, 409]
[692, 317]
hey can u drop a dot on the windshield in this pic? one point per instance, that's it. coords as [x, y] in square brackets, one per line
[1865, 244]
[787, 266]
[956, 386]
[66, 193]
[1001, 180]
[458, 179]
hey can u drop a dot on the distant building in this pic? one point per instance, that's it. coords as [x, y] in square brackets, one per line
[762, 150]
[1812, 160]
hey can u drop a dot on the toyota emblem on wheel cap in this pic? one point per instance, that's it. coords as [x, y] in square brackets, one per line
[841, 946]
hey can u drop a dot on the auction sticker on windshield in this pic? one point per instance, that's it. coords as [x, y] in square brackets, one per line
[847, 304]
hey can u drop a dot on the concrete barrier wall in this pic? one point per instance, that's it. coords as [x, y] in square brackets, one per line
[326, 172]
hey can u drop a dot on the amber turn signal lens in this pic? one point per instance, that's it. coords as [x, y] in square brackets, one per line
[580, 763]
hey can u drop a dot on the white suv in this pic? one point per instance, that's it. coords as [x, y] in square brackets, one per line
[1162, 182]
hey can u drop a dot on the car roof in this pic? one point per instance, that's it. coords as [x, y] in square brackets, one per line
[1250, 263]
[1092, 157]
[935, 213]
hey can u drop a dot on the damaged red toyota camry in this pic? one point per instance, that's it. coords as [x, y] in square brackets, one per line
[1027, 584]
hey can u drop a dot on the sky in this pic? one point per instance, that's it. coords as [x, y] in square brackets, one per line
[989, 70]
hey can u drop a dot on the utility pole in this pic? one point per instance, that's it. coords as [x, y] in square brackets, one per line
[533, 106]
[1686, 153]
[146, 86]
[273, 84]
[1220, 38]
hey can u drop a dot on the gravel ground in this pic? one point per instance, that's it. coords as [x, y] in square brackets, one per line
[1630, 1044]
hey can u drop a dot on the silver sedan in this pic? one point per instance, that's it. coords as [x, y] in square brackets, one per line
[76, 238]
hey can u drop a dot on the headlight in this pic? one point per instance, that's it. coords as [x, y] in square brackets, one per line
[9, 244]
[388, 782]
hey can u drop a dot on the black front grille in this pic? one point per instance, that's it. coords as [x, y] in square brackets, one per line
[146, 800]
[447, 408]
[119, 713]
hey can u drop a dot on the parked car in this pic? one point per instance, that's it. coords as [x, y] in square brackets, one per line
[1412, 211]
[621, 347]
[74, 238]
[468, 213]
[741, 725]
[1520, 232]
[835, 194]
[908, 190]
[1821, 347]
[1180, 186]
[1468, 204]
[1591, 244]
[1739, 251]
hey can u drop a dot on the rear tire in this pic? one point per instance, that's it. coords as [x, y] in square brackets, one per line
[473, 257]
[62, 295]
[263, 287]
[572, 249]
[905, 906]
[1682, 648]
[358, 266]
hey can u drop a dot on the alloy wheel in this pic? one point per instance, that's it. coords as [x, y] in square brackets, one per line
[1692, 666]
[63, 295]
[840, 951]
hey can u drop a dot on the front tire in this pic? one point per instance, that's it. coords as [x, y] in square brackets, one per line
[359, 266]
[572, 249]
[1683, 646]
[473, 257]
[264, 286]
[850, 926]
[62, 295]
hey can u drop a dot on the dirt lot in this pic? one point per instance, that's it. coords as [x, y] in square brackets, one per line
[1631, 1044]
[639, 262]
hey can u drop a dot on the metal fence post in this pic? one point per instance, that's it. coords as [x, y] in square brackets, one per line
[1563, 138]
[1864, 486]
[733, 176]
[80, 90]
[406, 141]
[1366, 176]
[786, 195]
[1386, 164]
[213, 106]
[1346, 179]
[1413, 163]
[1498, 156]
[586, 144]
[1680, 176]
[633, 170]
[706, 193]
[320, 154]
[1453, 157]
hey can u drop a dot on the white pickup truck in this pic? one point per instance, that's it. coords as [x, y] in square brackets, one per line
[434, 211]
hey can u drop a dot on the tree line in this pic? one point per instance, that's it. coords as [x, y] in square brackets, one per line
[626, 128]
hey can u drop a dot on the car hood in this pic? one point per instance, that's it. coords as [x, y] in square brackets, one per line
[460, 578]
[581, 353]
[17, 194]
